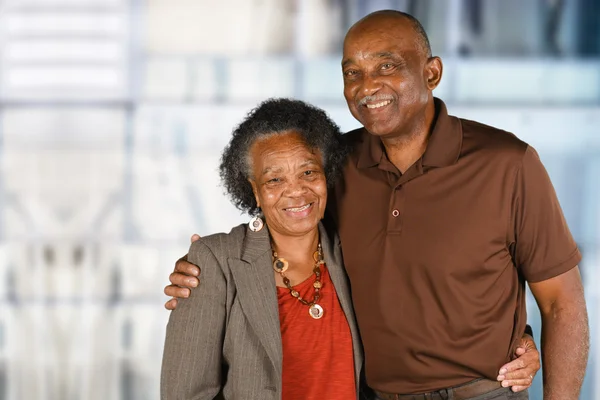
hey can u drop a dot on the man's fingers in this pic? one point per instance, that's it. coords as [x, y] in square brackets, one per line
[182, 279]
[171, 304]
[179, 279]
[176, 291]
[186, 268]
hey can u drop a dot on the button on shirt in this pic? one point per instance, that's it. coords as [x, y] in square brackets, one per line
[438, 256]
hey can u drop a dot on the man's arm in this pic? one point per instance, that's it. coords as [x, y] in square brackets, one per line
[565, 334]
[546, 254]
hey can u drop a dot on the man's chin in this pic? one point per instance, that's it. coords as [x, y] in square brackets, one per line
[377, 128]
[379, 131]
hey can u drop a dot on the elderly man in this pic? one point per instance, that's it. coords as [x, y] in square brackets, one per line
[442, 221]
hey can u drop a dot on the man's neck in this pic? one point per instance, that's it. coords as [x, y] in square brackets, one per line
[405, 151]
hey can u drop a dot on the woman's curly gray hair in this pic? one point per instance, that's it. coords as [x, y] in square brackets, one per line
[271, 117]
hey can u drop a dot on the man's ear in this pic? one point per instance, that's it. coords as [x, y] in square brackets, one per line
[255, 191]
[433, 72]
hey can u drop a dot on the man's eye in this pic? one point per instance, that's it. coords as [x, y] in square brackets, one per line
[387, 66]
[308, 172]
[350, 72]
[274, 180]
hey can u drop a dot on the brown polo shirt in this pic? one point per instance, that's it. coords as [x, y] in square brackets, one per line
[438, 256]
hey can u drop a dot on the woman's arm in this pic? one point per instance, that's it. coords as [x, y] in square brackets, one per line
[192, 357]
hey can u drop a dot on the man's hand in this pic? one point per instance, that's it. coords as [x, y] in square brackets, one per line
[183, 278]
[519, 373]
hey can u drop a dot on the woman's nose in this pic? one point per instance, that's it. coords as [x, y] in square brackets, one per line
[296, 188]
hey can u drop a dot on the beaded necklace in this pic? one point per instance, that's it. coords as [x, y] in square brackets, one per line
[280, 265]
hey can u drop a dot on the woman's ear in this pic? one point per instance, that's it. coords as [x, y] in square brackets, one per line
[255, 191]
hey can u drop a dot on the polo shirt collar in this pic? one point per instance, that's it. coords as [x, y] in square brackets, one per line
[443, 148]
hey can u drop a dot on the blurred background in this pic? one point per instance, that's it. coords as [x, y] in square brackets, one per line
[113, 114]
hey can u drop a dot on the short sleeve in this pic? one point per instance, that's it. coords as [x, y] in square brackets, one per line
[543, 247]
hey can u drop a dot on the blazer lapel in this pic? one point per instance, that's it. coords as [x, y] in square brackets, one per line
[255, 284]
[333, 259]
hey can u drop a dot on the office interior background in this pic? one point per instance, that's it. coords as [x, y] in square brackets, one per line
[113, 114]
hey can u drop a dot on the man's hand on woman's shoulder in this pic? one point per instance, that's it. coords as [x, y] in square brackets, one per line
[183, 278]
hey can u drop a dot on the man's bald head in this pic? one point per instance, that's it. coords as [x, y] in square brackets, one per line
[390, 75]
[393, 16]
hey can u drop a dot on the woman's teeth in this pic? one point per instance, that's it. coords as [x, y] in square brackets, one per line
[298, 209]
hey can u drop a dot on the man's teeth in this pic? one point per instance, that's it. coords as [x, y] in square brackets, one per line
[298, 209]
[381, 104]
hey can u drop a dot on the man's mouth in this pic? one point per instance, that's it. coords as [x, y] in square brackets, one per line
[298, 209]
[378, 105]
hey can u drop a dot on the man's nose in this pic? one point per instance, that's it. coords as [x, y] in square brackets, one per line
[370, 84]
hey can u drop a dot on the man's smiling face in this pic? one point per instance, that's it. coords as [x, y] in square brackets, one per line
[387, 76]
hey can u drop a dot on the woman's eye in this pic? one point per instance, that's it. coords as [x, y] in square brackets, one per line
[308, 172]
[274, 180]
[386, 66]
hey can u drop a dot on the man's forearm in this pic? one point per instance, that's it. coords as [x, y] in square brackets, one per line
[565, 346]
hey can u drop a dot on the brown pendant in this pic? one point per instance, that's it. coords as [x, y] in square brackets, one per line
[315, 311]
[280, 265]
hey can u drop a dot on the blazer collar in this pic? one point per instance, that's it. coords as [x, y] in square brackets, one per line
[255, 285]
[256, 244]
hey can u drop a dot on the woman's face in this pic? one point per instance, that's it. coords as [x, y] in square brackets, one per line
[288, 181]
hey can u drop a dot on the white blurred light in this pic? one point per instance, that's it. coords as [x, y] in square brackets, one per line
[98, 77]
[72, 50]
[77, 23]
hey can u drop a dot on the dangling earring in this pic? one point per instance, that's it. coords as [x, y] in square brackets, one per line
[256, 224]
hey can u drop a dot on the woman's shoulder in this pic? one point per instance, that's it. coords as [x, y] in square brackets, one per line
[220, 245]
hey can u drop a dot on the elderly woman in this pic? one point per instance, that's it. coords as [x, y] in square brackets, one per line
[273, 317]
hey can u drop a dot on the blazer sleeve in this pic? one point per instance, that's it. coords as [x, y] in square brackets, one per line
[192, 359]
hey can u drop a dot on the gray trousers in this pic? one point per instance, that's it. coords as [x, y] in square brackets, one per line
[498, 394]
[502, 394]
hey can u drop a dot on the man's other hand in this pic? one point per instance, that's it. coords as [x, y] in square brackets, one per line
[183, 278]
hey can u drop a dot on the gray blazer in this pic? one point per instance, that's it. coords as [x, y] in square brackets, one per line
[224, 341]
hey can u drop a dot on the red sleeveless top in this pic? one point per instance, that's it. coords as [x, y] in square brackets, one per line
[318, 362]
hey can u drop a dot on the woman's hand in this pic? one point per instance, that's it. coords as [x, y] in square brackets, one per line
[519, 373]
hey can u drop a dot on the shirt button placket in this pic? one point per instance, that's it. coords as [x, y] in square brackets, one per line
[395, 220]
